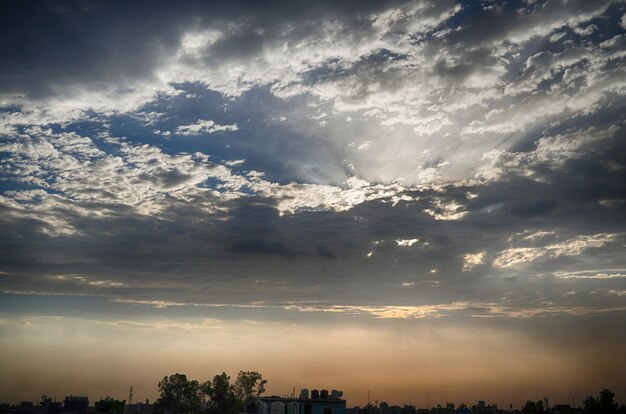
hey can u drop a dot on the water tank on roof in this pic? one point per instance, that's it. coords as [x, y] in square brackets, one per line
[278, 408]
[324, 394]
[315, 394]
[304, 394]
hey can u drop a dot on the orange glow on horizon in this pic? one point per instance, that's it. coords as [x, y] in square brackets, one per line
[396, 364]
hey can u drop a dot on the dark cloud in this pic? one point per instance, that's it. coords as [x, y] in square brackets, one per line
[261, 246]
[507, 20]
[113, 45]
[531, 209]
[54, 46]
[194, 249]
[323, 251]
[169, 179]
[474, 60]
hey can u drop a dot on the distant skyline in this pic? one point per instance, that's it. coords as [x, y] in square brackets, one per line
[410, 198]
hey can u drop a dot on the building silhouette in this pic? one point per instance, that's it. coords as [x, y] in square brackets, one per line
[318, 402]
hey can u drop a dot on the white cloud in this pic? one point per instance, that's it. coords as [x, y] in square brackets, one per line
[553, 150]
[519, 255]
[446, 210]
[204, 127]
[433, 112]
[572, 247]
[386, 312]
[401, 75]
[471, 260]
[406, 242]
[293, 197]
[585, 31]
[597, 275]
[533, 236]
[557, 36]
[86, 280]
[471, 308]
[75, 175]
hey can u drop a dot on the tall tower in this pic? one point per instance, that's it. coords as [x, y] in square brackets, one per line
[130, 395]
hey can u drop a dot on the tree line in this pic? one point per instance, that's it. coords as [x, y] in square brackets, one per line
[179, 394]
[604, 404]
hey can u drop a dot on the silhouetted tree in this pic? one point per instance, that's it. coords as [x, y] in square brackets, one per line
[438, 409]
[539, 405]
[530, 408]
[603, 404]
[178, 394]
[248, 386]
[222, 399]
[408, 409]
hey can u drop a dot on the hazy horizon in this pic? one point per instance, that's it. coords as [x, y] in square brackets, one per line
[412, 198]
[434, 363]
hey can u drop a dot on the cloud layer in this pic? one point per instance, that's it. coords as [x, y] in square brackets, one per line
[362, 161]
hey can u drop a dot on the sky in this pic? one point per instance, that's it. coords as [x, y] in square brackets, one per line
[420, 199]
